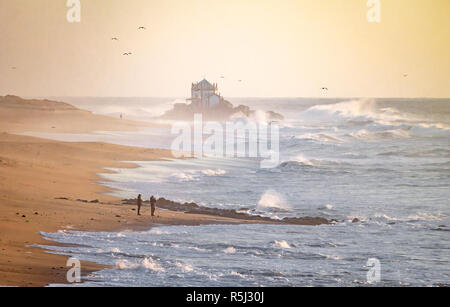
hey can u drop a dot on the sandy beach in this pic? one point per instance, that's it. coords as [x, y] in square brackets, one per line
[36, 172]
[50, 185]
[282, 144]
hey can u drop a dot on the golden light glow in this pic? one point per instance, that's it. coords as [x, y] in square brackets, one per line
[278, 48]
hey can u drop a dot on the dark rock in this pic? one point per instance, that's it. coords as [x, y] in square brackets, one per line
[356, 220]
[223, 111]
[440, 229]
[193, 208]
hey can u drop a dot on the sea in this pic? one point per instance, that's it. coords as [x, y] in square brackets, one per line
[384, 163]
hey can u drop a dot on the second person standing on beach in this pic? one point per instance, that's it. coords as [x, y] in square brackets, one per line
[139, 204]
[153, 204]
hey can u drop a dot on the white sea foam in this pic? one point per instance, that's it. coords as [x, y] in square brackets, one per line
[333, 257]
[234, 273]
[282, 244]
[184, 267]
[259, 116]
[194, 175]
[300, 159]
[229, 250]
[303, 160]
[184, 176]
[365, 134]
[370, 110]
[211, 172]
[126, 265]
[319, 137]
[354, 109]
[422, 216]
[147, 263]
[157, 231]
[152, 265]
[272, 199]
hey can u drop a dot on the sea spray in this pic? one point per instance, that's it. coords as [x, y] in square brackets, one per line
[282, 244]
[272, 199]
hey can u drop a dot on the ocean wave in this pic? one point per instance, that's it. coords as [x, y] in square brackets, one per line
[156, 231]
[271, 199]
[126, 265]
[302, 161]
[184, 267]
[422, 216]
[195, 175]
[146, 263]
[229, 250]
[333, 257]
[184, 176]
[368, 111]
[211, 172]
[383, 218]
[365, 134]
[234, 273]
[326, 207]
[358, 110]
[150, 264]
[281, 244]
[319, 137]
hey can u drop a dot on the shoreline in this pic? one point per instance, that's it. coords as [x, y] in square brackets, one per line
[39, 196]
[52, 185]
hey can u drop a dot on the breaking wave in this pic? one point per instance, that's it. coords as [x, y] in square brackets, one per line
[146, 263]
[364, 134]
[282, 244]
[367, 111]
[364, 109]
[301, 161]
[273, 200]
[194, 175]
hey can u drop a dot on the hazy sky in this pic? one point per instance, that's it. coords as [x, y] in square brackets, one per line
[277, 47]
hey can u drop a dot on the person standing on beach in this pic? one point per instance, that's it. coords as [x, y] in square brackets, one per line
[153, 204]
[139, 204]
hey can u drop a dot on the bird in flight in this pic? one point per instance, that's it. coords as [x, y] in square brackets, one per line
[127, 53]
[324, 88]
[114, 39]
[14, 68]
[405, 75]
[141, 28]
[239, 80]
[222, 77]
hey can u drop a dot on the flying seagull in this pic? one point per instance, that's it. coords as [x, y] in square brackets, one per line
[239, 80]
[114, 39]
[324, 88]
[127, 53]
[141, 28]
[222, 77]
[405, 75]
